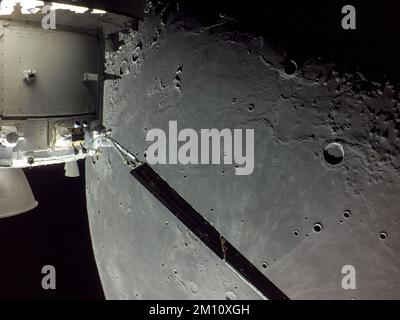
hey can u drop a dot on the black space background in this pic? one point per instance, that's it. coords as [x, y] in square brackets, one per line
[57, 231]
[312, 28]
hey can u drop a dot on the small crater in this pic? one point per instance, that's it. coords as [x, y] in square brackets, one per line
[137, 51]
[296, 233]
[383, 235]
[265, 265]
[334, 154]
[230, 296]
[135, 56]
[194, 287]
[347, 214]
[124, 68]
[251, 107]
[290, 67]
[317, 227]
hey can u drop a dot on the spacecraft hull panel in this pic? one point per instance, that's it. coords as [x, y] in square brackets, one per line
[59, 61]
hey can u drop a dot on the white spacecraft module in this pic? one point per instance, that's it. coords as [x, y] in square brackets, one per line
[51, 85]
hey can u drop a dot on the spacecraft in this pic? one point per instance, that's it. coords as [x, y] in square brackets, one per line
[51, 86]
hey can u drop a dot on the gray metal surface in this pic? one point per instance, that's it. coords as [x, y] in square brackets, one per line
[60, 60]
[142, 251]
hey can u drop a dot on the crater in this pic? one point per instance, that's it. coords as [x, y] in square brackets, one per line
[290, 67]
[317, 227]
[334, 154]
[383, 235]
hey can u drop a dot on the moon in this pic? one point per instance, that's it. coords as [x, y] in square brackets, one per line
[324, 192]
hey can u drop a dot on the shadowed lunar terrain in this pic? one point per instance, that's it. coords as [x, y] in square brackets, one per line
[325, 188]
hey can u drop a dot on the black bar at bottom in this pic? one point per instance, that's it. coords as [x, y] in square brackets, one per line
[205, 231]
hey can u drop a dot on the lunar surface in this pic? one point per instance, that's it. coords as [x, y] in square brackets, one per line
[324, 193]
